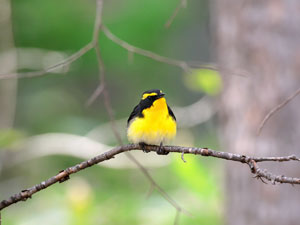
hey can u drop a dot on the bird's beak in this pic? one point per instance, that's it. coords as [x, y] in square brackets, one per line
[161, 95]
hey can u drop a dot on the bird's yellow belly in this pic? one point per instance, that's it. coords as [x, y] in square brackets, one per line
[154, 128]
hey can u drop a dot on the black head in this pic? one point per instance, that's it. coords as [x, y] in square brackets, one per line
[150, 96]
[153, 94]
[147, 100]
[157, 91]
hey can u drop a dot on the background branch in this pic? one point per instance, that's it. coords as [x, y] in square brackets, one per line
[131, 48]
[174, 62]
[65, 174]
[49, 69]
[71, 58]
[276, 109]
[182, 4]
[186, 66]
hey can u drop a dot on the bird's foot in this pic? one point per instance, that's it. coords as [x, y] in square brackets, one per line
[143, 147]
[161, 151]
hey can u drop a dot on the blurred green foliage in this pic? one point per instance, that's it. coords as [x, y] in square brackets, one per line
[9, 137]
[56, 103]
[204, 80]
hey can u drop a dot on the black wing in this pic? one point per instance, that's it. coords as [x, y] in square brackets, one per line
[136, 112]
[171, 113]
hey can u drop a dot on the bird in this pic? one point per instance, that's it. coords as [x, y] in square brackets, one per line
[152, 122]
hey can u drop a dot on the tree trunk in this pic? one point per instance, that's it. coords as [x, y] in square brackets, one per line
[262, 38]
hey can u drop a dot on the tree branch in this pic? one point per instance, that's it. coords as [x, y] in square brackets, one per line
[64, 62]
[98, 23]
[64, 175]
[176, 222]
[182, 4]
[70, 59]
[174, 62]
[276, 109]
[186, 66]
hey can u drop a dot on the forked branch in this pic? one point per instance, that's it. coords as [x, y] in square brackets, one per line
[64, 175]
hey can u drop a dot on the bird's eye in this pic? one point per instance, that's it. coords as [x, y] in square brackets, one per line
[151, 97]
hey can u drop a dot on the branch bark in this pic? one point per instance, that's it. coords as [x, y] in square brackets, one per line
[64, 175]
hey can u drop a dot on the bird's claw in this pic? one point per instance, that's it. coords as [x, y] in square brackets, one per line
[161, 151]
[143, 147]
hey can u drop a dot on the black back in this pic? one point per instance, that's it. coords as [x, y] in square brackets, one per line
[171, 113]
[138, 110]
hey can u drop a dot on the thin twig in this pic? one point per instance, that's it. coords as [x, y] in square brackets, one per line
[98, 91]
[155, 185]
[276, 159]
[185, 66]
[151, 189]
[98, 21]
[71, 58]
[97, 27]
[276, 109]
[182, 4]
[182, 157]
[177, 216]
[101, 86]
[63, 63]
[174, 62]
[65, 174]
[259, 173]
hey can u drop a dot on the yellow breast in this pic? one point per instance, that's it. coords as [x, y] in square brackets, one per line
[155, 127]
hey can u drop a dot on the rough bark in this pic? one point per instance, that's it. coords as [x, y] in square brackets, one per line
[261, 37]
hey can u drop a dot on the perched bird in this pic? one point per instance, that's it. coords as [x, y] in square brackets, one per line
[152, 121]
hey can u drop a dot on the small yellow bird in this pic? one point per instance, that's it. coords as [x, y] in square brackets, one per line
[152, 121]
